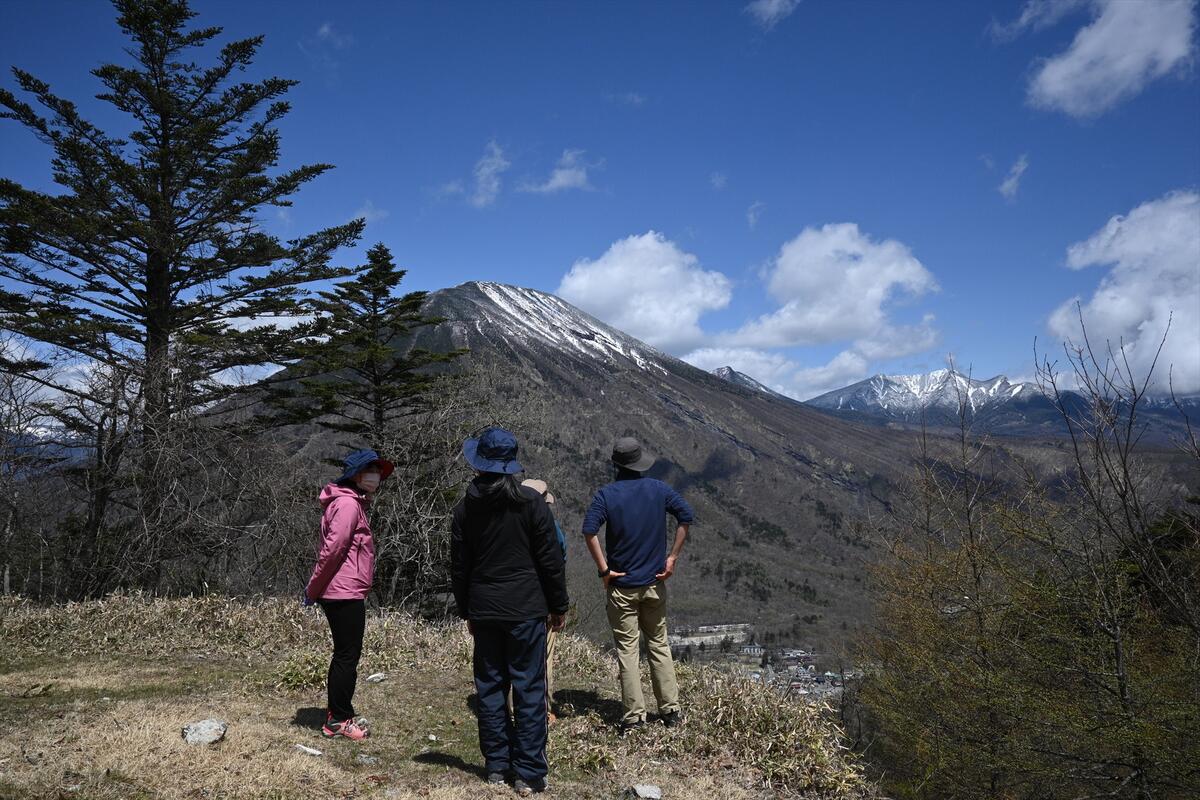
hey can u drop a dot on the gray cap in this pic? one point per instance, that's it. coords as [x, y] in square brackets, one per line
[628, 453]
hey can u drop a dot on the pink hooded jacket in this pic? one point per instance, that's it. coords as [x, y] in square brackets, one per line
[346, 561]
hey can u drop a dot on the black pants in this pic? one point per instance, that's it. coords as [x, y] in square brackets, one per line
[512, 654]
[347, 622]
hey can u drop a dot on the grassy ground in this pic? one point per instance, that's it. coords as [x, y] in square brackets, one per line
[93, 698]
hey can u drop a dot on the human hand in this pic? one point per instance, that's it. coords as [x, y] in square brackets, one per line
[305, 600]
[612, 574]
[558, 622]
[669, 571]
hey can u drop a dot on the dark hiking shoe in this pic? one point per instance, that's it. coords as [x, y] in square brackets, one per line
[528, 790]
[497, 778]
[629, 727]
[673, 719]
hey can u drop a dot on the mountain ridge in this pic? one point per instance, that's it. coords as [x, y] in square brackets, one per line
[942, 388]
[731, 375]
[995, 404]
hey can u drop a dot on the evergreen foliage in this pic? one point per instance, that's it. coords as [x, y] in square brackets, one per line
[148, 282]
[153, 259]
[353, 378]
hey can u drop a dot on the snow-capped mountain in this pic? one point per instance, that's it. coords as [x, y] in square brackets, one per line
[746, 382]
[996, 405]
[530, 315]
[909, 395]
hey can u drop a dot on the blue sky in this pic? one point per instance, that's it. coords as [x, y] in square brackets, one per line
[809, 191]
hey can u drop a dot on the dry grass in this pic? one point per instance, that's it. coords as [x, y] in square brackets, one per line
[125, 674]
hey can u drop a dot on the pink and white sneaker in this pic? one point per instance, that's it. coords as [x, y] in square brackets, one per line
[351, 729]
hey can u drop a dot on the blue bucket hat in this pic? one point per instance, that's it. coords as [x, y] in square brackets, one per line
[495, 450]
[359, 460]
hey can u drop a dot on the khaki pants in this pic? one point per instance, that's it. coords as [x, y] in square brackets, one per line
[634, 611]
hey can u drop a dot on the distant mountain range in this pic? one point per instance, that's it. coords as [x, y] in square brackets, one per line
[996, 405]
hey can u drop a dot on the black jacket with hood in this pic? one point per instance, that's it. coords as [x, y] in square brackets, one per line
[505, 561]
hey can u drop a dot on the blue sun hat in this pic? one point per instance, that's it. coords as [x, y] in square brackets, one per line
[359, 460]
[495, 450]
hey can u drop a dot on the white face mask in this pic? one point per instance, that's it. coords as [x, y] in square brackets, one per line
[369, 481]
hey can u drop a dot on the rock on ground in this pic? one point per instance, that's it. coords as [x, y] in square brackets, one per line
[644, 791]
[206, 731]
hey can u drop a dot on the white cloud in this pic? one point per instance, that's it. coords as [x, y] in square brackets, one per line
[628, 98]
[1126, 46]
[718, 180]
[370, 212]
[282, 321]
[327, 34]
[782, 373]
[754, 212]
[1012, 182]
[570, 173]
[488, 170]
[450, 189]
[845, 368]
[1154, 255]
[894, 341]
[772, 369]
[835, 284]
[1036, 15]
[321, 50]
[769, 13]
[650, 288]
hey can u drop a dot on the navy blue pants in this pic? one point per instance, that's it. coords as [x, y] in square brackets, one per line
[512, 654]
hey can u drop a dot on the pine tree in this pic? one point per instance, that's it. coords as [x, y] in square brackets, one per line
[353, 378]
[152, 260]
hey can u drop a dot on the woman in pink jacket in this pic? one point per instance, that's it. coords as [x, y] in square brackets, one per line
[342, 578]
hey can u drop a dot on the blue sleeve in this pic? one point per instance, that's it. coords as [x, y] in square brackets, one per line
[596, 516]
[678, 508]
[562, 538]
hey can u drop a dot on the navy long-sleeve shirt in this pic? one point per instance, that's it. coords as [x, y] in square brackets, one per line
[634, 510]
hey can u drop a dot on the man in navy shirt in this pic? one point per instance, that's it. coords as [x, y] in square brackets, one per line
[633, 508]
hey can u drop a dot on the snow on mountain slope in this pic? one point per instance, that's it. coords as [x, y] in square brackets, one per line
[996, 404]
[942, 389]
[528, 314]
[745, 381]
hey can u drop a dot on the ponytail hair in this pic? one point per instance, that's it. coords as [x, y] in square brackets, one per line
[508, 486]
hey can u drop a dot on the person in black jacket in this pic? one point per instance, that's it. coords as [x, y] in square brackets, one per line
[509, 583]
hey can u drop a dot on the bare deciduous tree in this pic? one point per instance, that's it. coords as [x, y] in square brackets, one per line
[1038, 630]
